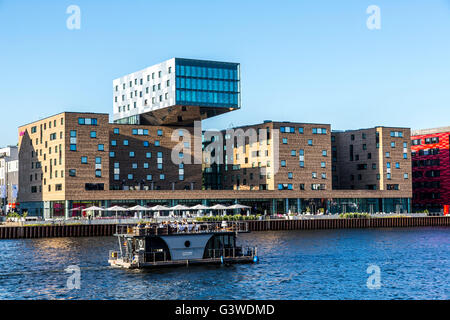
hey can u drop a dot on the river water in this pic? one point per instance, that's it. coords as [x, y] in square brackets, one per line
[331, 264]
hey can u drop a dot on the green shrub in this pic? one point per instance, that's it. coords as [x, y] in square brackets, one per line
[354, 215]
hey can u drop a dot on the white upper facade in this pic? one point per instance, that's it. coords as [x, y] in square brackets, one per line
[144, 91]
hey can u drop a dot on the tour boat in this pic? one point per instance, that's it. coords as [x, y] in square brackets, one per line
[175, 244]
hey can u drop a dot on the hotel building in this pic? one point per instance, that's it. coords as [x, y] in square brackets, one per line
[152, 153]
[290, 156]
[373, 159]
[177, 92]
[431, 169]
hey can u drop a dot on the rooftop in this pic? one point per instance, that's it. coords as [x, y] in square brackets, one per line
[421, 132]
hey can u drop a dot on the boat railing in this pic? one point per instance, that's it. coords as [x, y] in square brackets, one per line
[234, 252]
[153, 229]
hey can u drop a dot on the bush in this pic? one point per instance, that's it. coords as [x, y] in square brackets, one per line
[354, 215]
[237, 217]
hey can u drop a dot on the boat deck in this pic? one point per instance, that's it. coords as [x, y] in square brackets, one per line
[120, 263]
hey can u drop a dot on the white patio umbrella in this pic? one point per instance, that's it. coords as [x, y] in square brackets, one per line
[179, 207]
[238, 206]
[139, 209]
[159, 208]
[199, 208]
[94, 208]
[116, 209]
[219, 207]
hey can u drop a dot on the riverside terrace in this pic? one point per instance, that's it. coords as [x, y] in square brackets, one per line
[261, 202]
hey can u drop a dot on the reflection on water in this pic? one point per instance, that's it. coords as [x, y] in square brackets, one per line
[327, 264]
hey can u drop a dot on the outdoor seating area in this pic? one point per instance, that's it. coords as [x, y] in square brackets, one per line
[143, 212]
[180, 227]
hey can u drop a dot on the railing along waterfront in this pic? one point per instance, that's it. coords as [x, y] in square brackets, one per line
[96, 230]
[155, 229]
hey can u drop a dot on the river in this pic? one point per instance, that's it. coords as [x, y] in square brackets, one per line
[413, 263]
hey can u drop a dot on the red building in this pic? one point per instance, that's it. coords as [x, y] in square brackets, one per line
[431, 169]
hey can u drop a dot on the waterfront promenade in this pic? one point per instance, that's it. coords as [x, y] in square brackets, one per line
[107, 227]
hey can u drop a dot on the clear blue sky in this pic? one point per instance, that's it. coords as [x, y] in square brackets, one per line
[310, 61]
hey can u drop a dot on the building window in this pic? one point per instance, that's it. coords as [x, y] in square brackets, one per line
[290, 175]
[112, 154]
[73, 147]
[132, 154]
[396, 134]
[84, 160]
[98, 173]
[160, 132]
[283, 163]
[162, 177]
[314, 175]
[101, 147]
[72, 173]
[148, 155]
[388, 154]
[125, 142]
[130, 176]
[319, 130]
[310, 142]
[324, 153]
[157, 143]
[149, 177]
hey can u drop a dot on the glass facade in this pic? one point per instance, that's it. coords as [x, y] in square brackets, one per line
[207, 83]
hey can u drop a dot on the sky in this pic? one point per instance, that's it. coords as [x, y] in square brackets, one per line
[302, 61]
